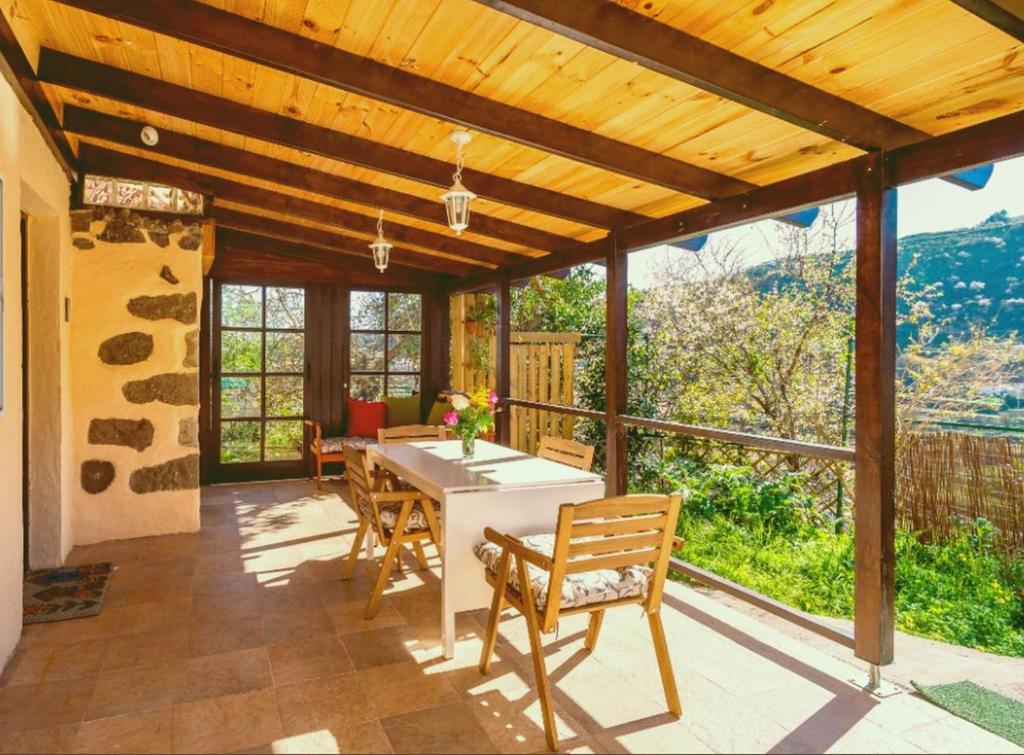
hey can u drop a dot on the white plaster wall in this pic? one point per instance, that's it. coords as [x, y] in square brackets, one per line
[104, 279]
[24, 160]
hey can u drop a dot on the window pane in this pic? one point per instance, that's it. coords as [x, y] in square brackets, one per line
[241, 306]
[367, 353]
[284, 440]
[240, 397]
[366, 310]
[403, 311]
[286, 308]
[403, 385]
[286, 352]
[403, 353]
[284, 397]
[367, 387]
[241, 351]
[239, 442]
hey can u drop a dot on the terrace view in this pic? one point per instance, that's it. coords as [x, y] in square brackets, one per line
[512, 376]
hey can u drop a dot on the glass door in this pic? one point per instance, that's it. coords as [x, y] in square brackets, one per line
[260, 381]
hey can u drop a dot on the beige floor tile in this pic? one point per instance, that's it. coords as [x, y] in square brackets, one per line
[37, 706]
[292, 625]
[349, 618]
[221, 609]
[367, 737]
[227, 724]
[308, 659]
[404, 687]
[136, 689]
[227, 674]
[149, 732]
[42, 741]
[226, 586]
[326, 702]
[35, 665]
[447, 729]
[214, 637]
[284, 595]
[380, 647]
[147, 648]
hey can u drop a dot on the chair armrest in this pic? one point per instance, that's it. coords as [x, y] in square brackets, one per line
[517, 548]
[398, 496]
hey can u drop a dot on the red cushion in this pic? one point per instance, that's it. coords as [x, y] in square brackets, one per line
[366, 417]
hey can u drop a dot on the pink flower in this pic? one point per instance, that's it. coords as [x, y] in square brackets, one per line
[492, 399]
[451, 418]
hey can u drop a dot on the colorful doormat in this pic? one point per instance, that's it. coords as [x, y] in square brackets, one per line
[70, 592]
[999, 714]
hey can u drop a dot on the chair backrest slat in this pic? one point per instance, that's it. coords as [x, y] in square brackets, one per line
[627, 505]
[615, 561]
[620, 526]
[566, 451]
[357, 473]
[410, 433]
[598, 545]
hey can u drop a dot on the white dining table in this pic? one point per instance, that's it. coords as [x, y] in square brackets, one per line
[510, 491]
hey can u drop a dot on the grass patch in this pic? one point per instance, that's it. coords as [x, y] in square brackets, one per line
[989, 710]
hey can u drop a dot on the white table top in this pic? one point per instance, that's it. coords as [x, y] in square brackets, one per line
[440, 464]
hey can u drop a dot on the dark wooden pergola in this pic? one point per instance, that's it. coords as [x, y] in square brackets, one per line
[601, 128]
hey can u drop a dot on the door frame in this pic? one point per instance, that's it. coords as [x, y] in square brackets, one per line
[26, 507]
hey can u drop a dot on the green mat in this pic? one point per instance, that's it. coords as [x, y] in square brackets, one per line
[989, 710]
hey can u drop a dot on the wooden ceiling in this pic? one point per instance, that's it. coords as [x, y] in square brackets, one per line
[586, 115]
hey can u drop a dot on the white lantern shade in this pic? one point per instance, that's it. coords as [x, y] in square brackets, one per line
[381, 250]
[456, 202]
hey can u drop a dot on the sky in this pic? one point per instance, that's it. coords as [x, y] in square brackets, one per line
[924, 207]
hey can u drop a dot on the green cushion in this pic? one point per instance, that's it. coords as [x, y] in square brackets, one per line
[403, 410]
[437, 411]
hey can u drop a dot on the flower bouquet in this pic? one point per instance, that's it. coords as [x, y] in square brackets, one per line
[471, 415]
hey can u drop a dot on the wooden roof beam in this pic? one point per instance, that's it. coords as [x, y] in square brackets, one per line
[997, 14]
[65, 70]
[338, 244]
[184, 147]
[266, 45]
[634, 37]
[105, 161]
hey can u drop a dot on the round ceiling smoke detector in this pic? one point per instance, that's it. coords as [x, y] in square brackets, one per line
[150, 136]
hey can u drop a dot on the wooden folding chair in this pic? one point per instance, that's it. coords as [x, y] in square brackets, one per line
[599, 557]
[566, 451]
[398, 517]
[411, 433]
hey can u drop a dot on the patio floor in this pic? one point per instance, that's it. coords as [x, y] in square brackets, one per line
[242, 638]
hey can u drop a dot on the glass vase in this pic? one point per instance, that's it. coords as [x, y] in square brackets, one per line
[468, 446]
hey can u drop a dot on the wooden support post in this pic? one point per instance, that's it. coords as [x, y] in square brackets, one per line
[503, 357]
[616, 292]
[875, 417]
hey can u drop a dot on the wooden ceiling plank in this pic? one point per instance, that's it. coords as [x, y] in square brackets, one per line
[60, 69]
[276, 48]
[631, 36]
[996, 15]
[112, 162]
[124, 131]
[336, 242]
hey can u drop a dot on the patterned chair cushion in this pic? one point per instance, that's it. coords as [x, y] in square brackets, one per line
[580, 589]
[336, 445]
[389, 515]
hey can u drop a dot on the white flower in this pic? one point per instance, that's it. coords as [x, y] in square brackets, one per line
[459, 402]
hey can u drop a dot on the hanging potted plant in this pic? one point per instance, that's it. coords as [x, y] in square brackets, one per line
[481, 315]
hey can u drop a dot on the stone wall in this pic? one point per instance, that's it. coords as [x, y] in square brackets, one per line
[135, 301]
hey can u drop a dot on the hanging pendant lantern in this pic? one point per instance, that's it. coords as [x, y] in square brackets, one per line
[380, 248]
[458, 198]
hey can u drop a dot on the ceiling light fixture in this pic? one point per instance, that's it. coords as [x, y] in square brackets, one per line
[458, 198]
[150, 136]
[380, 248]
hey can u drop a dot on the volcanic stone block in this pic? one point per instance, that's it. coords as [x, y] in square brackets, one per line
[191, 349]
[160, 239]
[174, 388]
[81, 243]
[188, 432]
[168, 275]
[122, 231]
[176, 474]
[127, 348]
[134, 433]
[81, 220]
[191, 242]
[96, 475]
[180, 307]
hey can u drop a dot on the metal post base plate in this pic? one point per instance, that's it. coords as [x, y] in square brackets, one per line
[875, 685]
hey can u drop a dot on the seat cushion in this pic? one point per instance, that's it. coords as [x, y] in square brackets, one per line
[335, 445]
[585, 588]
[417, 521]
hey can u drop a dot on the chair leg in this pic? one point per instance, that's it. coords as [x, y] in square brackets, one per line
[388, 563]
[537, 651]
[417, 548]
[319, 472]
[497, 604]
[353, 556]
[668, 679]
[593, 630]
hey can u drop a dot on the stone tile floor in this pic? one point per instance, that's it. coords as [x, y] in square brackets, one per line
[241, 638]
